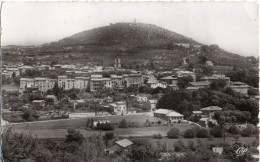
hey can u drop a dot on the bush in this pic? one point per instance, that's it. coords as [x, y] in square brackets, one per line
[190, 133]
[159, 122]
[74, 135]
[216, 132]
[191, 145]
[173, 133]
[234, 130]
[179, 146]
[248, 131]
[202, 133]
[122, 124]
[105, 126]
[109, 135]
[158, 136]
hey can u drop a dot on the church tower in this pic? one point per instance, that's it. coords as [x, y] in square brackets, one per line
[117, 63]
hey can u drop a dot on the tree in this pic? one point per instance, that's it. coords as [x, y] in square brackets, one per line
[202, 133]
[122, 124]
[74, 135]
[233, 129]
[173, 133]
[217, 84]
[56, 90]
[109, 135]
[179, 146]
[216, 132]
[189, 133]
[184, 81]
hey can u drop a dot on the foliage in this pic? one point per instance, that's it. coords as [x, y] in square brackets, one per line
[189, 133]
[109, 135]
[158, 136]
[122, 124]
[173, 133]
[184, 81]
[202, 133]
[29, 115]
[74, 135]
[179, 146]
[233, 130]
[218, 84]
[248, 131]
[216, 132]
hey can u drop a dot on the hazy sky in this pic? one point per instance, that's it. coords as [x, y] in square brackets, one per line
[233, 26]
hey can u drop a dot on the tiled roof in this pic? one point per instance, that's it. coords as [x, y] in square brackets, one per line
[124, 143]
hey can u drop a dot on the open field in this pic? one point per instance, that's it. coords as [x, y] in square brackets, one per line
[58, 128]
[128, 132]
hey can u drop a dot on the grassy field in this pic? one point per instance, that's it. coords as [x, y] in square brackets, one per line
[58, 128]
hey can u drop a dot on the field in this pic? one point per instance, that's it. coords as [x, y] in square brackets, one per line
[58, 128]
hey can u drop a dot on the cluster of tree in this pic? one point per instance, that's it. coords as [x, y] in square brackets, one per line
[233, 116]
[185, 102]
[30, 115]
[248, 76]
[14, 79]
[43, 73]
[104, 126]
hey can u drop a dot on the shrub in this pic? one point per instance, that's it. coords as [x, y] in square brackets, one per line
[234, 130]
[179, 146]
[248, 131]
[159, 122]
[105, 127]
[109, 135]
[202, 133]
[190, 133]
[173, 133]
[74, 135]
[191, 145]
[158, 136]
[216, 132]
[122, 124]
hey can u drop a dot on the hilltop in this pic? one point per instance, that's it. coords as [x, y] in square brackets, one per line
[125, 34]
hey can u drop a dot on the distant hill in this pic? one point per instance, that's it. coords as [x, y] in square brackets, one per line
[125, 34]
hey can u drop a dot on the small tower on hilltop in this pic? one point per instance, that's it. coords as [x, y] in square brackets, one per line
[117, 62]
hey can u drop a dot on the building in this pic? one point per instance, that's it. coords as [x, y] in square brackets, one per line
[141, 98]
[153, 104]
[216, 77]
[203, 84]
[174, 117]
[38, 103]
[170, 80]
[42, 84]
[209, 63]
[169, 115]
[209, 111]
[119, 108]
[185, 74]
[135, 80]
[62, 81]
[239, 87]
[117, 81]
[121, 145]
[117, 63]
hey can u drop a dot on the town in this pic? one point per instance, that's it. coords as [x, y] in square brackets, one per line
[122, 85]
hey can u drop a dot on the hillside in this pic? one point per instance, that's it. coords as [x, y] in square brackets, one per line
[125, 34]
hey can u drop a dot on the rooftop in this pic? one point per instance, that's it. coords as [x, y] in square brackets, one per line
[174, 113]
[211, 108]
[163, 111]
[124, 143]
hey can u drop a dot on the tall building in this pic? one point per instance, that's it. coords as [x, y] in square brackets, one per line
[117, 63]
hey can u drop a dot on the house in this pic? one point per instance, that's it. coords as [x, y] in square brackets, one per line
[218, 150]
[38, 103]
[171, 80]
[141, 98]
[108, 99]
[119, 108]
[209, 63]
[186, 73]
[51, 98]
[169, 115]
[174, 117]
[152, 104]
[173, 87]
[209, 111]
[192, 88]
[239, 87]
[122, 145]
[161, 113]
[215, 77]
[197, 112]
[203, 84]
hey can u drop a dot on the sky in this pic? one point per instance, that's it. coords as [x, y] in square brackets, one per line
[231, 25]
